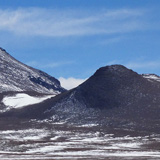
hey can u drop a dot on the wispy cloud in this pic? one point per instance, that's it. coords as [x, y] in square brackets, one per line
[70, 82]
[143, 65]
[137, 64]
[112, 40]
[58, 23]
[32, 63]
[48, 65]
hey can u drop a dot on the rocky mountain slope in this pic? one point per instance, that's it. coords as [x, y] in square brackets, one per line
[16, 76]
[114, 96]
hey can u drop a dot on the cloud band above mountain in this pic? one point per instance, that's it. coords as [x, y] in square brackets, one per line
[58, 23]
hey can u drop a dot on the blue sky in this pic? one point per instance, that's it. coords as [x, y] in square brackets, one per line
[73, 38]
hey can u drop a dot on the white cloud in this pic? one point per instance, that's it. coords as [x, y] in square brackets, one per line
[71, 82]
[58, 23]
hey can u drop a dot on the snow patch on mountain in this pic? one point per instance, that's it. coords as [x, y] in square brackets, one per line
[151, 77]
[22, 100]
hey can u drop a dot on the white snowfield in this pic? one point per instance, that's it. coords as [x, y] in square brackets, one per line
[22, 100]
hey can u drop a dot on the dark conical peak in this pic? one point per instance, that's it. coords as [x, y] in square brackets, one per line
[113, 86]
[117, 69]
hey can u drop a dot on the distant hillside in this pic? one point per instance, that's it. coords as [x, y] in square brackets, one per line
[16, 76]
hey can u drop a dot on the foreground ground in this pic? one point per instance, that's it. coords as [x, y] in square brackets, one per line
[52, 141]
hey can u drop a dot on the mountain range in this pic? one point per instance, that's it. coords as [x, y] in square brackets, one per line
[113, 96]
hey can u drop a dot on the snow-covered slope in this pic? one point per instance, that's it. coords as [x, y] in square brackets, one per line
[151, 77]
[16, 76]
